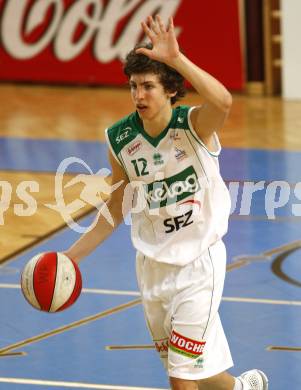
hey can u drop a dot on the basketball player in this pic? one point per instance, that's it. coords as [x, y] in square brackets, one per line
[170, 155]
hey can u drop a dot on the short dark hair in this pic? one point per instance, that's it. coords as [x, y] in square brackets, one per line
[137, 63]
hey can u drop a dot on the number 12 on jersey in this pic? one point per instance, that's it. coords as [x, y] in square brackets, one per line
[140, 166]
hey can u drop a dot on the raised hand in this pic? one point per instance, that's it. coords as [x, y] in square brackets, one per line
[165, 45]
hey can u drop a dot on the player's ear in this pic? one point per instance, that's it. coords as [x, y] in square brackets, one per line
[172, 94]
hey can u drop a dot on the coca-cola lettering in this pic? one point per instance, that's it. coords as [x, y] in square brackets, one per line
[64, 46]
[98, 18]
[13, 20]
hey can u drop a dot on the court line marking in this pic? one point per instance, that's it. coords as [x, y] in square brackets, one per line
[244, 260]
[137, 294]
[13, 354]
[270, 348]
[285, 218]
[40, 239]
[263, 301]
[111, 292]
[238, 262]
[87, 290]
[129, 347]
[283, 348]
[67, 327]
[40, 382]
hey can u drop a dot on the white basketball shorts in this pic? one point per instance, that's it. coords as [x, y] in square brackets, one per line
[181, 310]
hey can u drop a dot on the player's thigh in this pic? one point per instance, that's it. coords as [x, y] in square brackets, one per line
[155, 312]
[200, 288]
[198, 347]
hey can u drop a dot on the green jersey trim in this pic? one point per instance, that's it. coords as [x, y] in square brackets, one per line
[122, 133]
[178, 120]
[118, 158]
[126, 130]
[111, 148]
[155, 140]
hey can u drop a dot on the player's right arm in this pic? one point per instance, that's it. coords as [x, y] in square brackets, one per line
[103, 228]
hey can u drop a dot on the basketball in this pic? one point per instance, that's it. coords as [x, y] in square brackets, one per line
[51, 282]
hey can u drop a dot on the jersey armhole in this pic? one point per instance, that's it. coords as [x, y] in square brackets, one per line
[198, 139]
[110, 147]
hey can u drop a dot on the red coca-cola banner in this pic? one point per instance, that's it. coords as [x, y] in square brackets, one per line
[84, 41]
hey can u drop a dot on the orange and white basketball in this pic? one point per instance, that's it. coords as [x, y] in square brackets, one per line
[51, 281]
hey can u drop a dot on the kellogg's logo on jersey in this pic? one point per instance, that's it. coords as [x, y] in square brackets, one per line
[134, 147]
[172, 189]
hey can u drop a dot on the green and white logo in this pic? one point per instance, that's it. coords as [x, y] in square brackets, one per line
[199, 362]
[158, 159]
[172, 189]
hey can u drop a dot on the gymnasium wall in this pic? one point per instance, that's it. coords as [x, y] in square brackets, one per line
[84, 41]
[291, 55]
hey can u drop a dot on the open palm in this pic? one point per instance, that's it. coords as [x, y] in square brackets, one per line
[165, 45]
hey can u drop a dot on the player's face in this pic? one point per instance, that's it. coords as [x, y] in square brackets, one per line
[149, 96]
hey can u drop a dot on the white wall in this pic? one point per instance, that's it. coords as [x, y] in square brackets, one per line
[291, 49]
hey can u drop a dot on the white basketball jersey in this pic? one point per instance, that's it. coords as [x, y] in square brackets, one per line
[181, 204]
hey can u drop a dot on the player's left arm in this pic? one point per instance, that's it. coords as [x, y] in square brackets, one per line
[209, 116]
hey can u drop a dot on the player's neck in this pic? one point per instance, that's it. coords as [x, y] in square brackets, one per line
[156, 125]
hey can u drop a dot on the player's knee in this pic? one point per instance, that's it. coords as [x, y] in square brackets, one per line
[222, 381]
[183, 384]
[204, 384]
